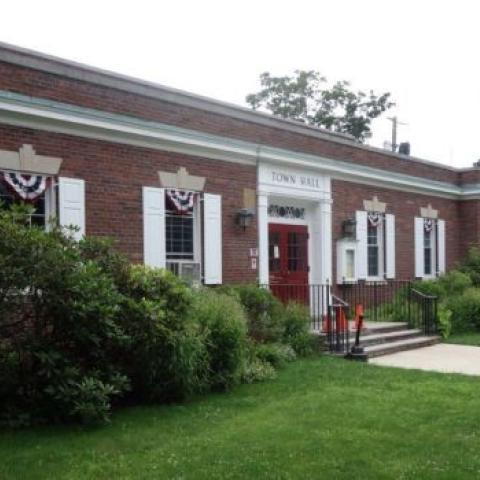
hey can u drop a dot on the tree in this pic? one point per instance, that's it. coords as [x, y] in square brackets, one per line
[306, 97]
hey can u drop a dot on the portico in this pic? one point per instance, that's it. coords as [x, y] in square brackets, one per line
[293, 197]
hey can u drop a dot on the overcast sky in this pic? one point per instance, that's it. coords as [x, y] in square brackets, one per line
[424, 52]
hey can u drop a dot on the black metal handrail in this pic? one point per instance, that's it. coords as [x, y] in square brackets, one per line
[423, 311]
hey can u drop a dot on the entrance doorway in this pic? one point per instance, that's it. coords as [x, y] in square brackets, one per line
[288, 262]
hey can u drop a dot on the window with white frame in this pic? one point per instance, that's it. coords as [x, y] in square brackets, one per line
[375, 258]
[34, 190]
[429, 247]
[429, 267]
[182, 230]
[375, 245]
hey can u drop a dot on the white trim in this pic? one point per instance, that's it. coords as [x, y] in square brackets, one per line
[52, 116]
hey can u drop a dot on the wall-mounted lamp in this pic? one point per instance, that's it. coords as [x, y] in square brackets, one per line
[244, 217]
[349, 228]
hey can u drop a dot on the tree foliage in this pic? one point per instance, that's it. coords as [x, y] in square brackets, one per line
[307, 97]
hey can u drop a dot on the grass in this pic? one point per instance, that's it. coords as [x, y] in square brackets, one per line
[322, 418]
[471, 338]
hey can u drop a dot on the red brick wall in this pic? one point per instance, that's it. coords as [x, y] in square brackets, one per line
[114, 176]
[40, 84]
[469, 218]
[348, 197]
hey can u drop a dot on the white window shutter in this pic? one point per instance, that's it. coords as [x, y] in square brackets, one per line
[361, 227]
[154, 227]
[212, 227]
[441, 245]
[390, 245]
[71, 201]
[419, 245]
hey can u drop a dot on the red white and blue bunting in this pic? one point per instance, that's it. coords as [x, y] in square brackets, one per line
[374, 218]
[428, 224]
[182, 201]
[27, 187]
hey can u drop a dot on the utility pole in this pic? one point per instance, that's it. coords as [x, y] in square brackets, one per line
[395, 124]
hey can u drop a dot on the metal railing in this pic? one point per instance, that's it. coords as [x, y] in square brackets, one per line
[331, 307]
[423, 310]
[328, 312]
[385, 300]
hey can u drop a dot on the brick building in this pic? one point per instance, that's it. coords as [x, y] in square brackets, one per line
[219, 192]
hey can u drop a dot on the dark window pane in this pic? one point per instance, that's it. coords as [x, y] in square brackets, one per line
[373, 261]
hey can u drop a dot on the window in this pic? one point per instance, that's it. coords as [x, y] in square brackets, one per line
[429, 241]
[274, 251]
[179, 236]
[182, 235]
[375, 265]
[297, 254]
[41, 210]
[350, 263]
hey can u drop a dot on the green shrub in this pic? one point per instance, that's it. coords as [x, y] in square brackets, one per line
[454, 282]
[471, 265]
[167, 356]
[444, 320]
[223, 325]
[465, 310]
[57, 324]
[256, 370]
[264, 311]
[275, 354]
[112, 263]
[297, 325]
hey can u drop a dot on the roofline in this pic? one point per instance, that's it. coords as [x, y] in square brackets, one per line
[78, 71]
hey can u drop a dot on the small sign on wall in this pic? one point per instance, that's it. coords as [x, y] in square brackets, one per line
[254, 252]
[254, 263]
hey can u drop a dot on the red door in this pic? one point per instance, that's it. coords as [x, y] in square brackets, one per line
[288, 261]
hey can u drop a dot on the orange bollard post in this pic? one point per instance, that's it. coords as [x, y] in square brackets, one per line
[358, 315]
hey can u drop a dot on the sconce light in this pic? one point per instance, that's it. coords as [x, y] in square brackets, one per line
[349, 228]
[244, 217]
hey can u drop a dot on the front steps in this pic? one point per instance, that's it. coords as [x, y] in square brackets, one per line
[386, 338]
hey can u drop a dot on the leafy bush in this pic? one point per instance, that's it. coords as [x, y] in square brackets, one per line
[57, 326]
[471, 266]
[256, 370]
[444, 321]
[223, 324]
[275, 354]
[452, 283]
[167, 356]
[264, 311]
[465, 310]
[296, 320]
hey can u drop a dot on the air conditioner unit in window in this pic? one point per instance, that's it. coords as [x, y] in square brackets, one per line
[189, 271]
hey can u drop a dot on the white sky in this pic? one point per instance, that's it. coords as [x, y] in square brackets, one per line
[425, 52]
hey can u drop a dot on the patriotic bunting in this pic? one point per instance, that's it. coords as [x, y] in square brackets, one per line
[428, 224]
[27, 187]
[181, 201]
[374, 218]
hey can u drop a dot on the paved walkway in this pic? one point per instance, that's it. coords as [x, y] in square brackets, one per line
[439, 358]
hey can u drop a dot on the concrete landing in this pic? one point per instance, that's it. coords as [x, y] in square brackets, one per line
[443, 358]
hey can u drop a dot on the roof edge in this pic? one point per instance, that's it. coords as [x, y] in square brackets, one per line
[52, 64]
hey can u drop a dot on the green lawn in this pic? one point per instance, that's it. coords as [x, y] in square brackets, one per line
[465, 339]
[324, 418]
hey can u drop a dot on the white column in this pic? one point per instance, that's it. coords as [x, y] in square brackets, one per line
[326, 240]
[262, 219]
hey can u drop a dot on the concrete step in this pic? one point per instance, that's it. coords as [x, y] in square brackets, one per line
[383, 327]
[400, 345]
[374, 338]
